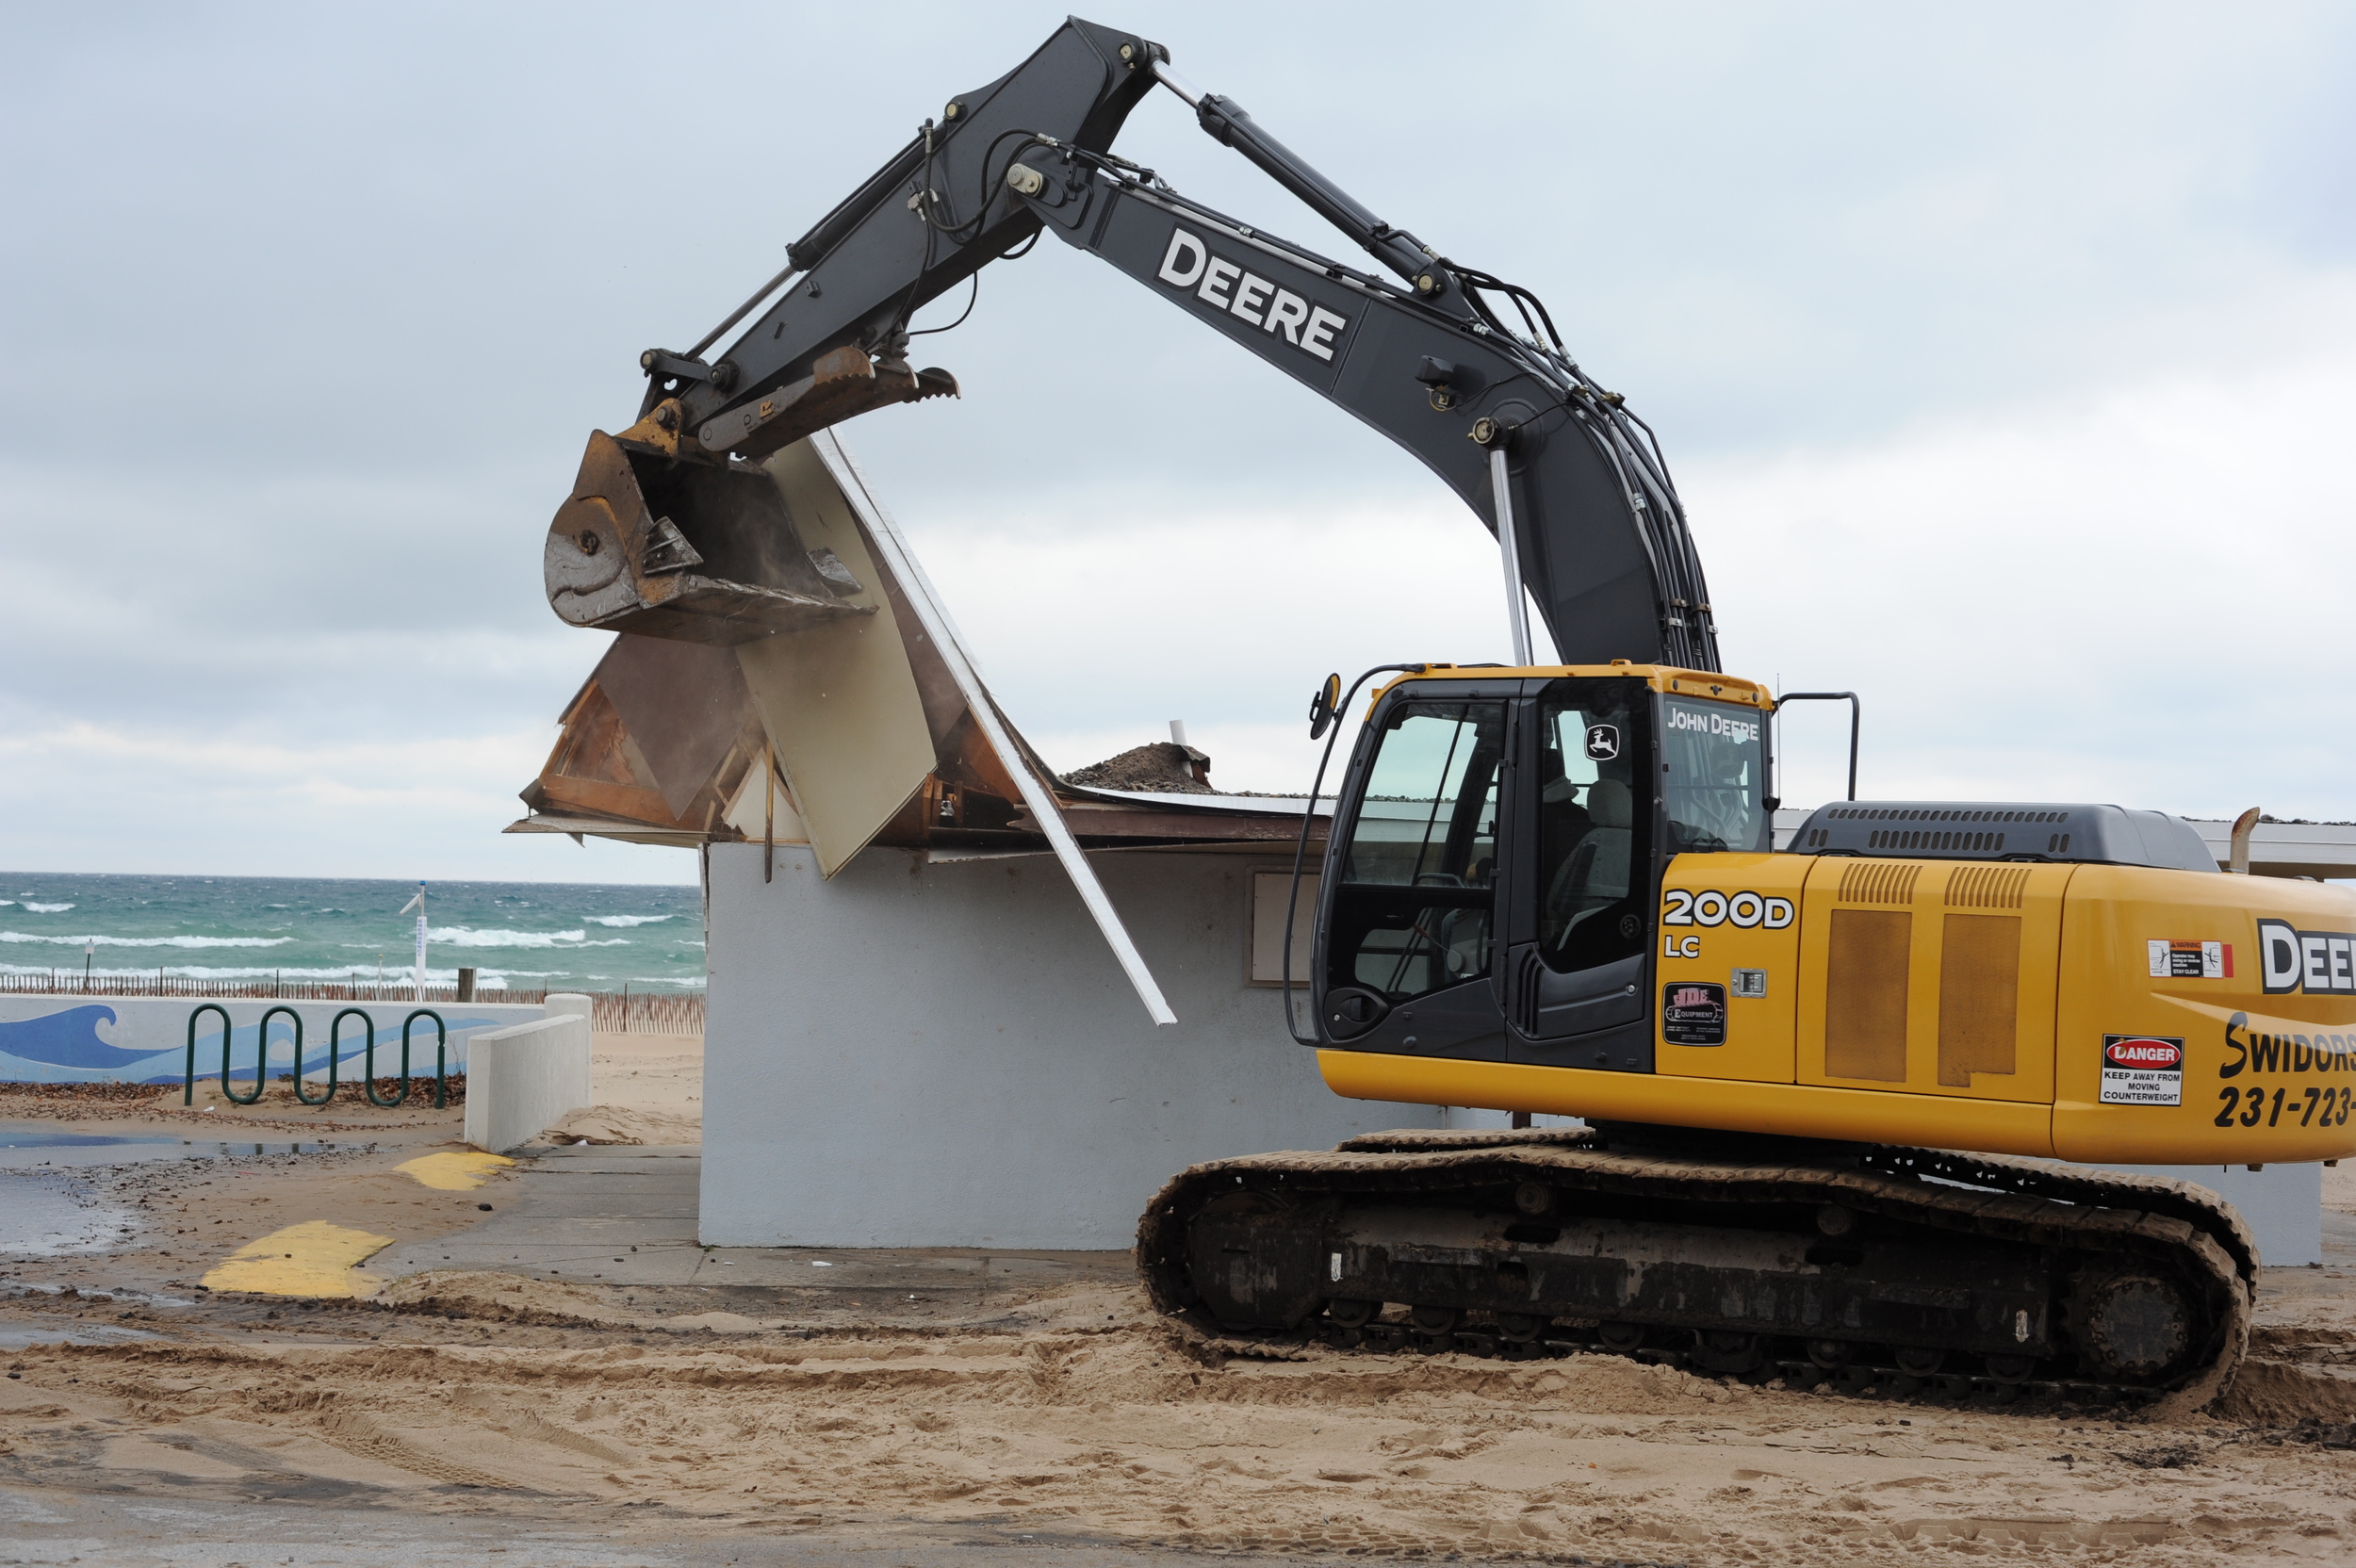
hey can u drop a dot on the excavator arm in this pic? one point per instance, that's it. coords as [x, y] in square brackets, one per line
[1573, 485]
[919, 226]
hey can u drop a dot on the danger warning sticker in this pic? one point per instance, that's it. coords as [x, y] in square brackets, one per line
[2195, 960]
[2143, 1069]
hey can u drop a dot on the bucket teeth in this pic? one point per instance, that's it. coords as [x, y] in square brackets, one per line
[667, 549]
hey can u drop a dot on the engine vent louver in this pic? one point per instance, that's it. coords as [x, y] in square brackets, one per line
[1939, 840]
[1987, 886]
[1878, 882]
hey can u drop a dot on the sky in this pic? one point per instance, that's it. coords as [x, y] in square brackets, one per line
[2006, 356]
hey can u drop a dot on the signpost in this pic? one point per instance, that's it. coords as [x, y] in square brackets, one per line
[418, 905]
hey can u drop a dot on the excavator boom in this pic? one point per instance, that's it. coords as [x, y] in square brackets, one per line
[1587, 515]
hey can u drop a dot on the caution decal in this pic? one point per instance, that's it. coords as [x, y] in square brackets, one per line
[2143, 1069]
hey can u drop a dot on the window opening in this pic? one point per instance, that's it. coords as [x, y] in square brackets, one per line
[1414, 910]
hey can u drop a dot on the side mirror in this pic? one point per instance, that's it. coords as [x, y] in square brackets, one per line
[1323, 706]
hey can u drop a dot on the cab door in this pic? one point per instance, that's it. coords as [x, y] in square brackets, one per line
[1406, 935]
[1576, 977]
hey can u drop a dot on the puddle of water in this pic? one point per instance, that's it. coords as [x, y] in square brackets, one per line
[31, 1146]
[49, 1137]
[42, 1218]
[25, 1337]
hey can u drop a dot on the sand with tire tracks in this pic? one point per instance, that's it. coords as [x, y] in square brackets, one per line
[1068, 1410]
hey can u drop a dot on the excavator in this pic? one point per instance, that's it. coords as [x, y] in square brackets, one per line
[1825, 1087]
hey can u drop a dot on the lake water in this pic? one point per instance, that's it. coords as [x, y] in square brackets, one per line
[530, 935]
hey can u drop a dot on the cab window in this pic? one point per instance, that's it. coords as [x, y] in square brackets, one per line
[1715, 785]
[1595, 822]
[1413, 909]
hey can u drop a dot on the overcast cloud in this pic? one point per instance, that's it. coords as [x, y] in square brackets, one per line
[2006, 356]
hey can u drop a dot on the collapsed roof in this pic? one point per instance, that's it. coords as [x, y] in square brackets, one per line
[785, 674]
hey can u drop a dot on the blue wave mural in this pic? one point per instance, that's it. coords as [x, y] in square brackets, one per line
[65, 1047]
[65, 1040]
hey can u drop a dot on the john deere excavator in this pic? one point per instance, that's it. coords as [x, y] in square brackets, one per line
[1823, 1085]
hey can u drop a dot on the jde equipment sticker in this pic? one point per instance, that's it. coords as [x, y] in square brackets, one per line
[1694, 1012]
[2180, 961]
[2143, 1069]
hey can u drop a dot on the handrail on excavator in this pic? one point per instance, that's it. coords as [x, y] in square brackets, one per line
[1857, 719]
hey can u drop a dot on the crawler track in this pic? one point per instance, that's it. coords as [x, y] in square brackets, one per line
[1902, 1269]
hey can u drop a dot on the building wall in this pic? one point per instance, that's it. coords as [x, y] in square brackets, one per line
[948, 1055]
[2282, 1204]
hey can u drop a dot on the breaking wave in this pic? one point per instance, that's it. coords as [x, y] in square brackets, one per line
[146, 942]
[458, 936]
[394, 977]
[626, 921]
[33, 909]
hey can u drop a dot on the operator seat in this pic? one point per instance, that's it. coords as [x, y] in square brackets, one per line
[1594, 875]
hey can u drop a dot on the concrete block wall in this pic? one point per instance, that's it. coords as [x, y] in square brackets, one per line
[923, 1054]
[2282, 1204]
[526, 1078]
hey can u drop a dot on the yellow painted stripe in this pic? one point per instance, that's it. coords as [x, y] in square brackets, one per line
[1798, 1110]
[451, 1171]
[310, 1259]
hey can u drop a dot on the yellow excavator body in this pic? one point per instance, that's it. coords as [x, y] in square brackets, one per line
[2034, 1026]
[2104, 1014]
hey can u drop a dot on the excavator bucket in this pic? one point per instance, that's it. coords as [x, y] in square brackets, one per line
[684, 535]
[690, 550]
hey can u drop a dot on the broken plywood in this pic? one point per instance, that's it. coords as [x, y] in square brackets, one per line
[685, 705]
[839, 699]
[597, 769]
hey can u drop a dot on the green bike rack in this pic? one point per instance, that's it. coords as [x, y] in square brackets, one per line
[441, 1044]
[368, 1081]
[261, 1058]
[187, 1087]
[261, 1043]
[334, 1044]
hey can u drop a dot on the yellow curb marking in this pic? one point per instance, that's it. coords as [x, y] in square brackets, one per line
[451, 1172]
[310, 1259]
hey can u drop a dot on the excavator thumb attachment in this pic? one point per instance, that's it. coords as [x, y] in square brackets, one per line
[842, 383]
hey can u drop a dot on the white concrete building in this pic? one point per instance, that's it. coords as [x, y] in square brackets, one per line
[925, 1054]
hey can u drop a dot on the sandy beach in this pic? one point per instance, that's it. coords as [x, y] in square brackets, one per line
[680, 1394]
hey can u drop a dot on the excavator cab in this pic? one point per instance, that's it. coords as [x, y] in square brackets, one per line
[1498, 853]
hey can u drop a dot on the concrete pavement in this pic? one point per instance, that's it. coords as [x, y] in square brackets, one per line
[625, 1216]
